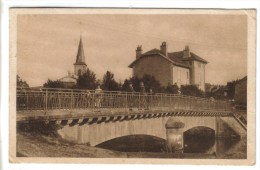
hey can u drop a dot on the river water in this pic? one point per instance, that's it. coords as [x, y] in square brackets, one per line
[222, 148]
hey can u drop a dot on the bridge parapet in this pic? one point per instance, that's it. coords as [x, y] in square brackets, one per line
[53, 99]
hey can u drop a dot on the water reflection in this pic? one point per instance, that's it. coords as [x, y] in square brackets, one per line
[194, 143]
[199, 140]
[135, 143]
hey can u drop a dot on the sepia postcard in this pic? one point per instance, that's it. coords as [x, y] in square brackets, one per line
[150, 86]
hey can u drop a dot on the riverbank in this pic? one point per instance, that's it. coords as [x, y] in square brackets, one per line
[36, 145]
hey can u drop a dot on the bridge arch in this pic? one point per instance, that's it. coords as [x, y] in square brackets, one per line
[135, 143]
[199, 139]
[95, 134]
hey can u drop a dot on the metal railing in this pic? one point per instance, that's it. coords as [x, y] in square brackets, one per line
[50, 99]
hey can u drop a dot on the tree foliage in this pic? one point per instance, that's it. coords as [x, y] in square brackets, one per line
[20, 83]
[191, 90]
[109, 83]
[126, 86]
[53, 84]
[149, 83]
[87, 80]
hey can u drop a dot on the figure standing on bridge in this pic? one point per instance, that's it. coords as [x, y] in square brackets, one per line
[131, 102]
[131, 88]
[150, 98]
[98, 95]
[142, 99]
[142, 88]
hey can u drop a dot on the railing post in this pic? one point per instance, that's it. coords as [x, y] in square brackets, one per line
[46, 100]
[27, 101]
[161, 100]
[126, 101]
[71, 102]
[139, 103]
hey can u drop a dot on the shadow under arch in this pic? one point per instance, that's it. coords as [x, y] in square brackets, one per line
[135, 143]
[199, 139]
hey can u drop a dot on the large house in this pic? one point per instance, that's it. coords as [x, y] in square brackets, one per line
[79, 68]
[182, 67]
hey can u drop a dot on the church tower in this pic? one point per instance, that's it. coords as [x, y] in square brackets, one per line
[80, 65]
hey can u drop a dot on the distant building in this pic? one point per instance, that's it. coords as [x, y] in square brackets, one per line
[79, 68]
[241, 91]
[69, 81]
[182, 67]
[216, 91]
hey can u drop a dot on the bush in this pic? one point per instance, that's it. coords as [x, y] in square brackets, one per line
[173, 89]
[39, 127]
[191, 90]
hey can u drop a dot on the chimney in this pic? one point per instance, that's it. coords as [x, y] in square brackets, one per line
[164, 48]
[138, 51]
[186, 52]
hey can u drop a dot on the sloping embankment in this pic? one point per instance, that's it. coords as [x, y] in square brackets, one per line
[35, 145]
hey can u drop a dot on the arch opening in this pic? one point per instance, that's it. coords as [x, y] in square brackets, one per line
[198, 139]
[135, 143]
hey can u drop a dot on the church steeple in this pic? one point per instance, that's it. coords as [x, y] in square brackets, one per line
[80, 55]
[80, 65]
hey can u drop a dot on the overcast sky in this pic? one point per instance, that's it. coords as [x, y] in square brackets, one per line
[47, 44]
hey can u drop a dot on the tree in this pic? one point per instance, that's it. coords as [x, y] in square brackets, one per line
[53, 84]
[109, 82]
[126, 85]
[191, 90]
[136, 83]
[87, 80]
[20, 83]
[149, 83]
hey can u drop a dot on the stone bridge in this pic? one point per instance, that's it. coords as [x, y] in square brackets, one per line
[93, 118]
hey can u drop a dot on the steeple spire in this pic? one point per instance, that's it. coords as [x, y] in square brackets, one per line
[80, 60]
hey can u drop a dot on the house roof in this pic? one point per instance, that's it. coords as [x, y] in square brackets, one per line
[241, 80]
[176, 58]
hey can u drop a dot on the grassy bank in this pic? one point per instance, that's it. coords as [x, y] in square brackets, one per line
[35, 145]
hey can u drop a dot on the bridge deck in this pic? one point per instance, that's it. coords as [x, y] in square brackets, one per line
[90, 113]
[53, 104]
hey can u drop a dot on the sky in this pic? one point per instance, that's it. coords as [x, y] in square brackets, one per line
[47, 44]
